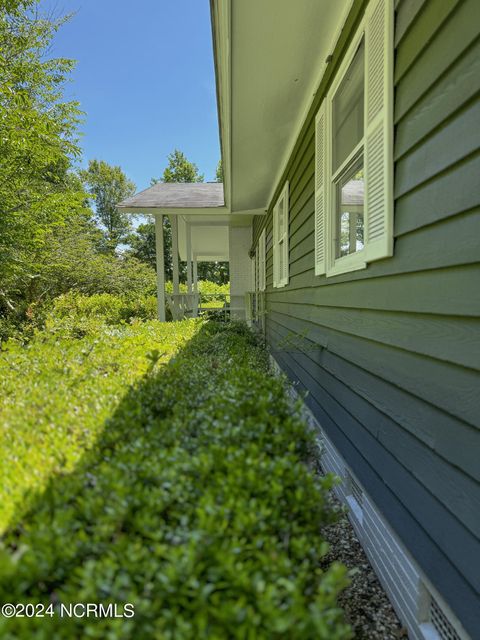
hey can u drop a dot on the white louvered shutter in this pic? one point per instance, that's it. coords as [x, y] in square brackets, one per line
[257, 271]
[284, 261]
[280, 239]
[261, 261]
[320, 188]
[379, 130]
[275, 246]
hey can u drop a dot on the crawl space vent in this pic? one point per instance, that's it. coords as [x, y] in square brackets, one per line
[441, 623]
[355, 490]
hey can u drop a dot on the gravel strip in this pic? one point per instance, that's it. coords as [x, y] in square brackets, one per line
[365, 603]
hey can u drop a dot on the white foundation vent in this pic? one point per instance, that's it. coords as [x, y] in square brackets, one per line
[354, 496]
[419, 607]
[440, 622]
[355, 490]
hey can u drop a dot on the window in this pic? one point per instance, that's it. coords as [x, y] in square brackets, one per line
[280, 239]
[354, 152]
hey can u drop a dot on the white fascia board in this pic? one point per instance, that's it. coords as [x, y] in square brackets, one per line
[176, 211]
[220, 13]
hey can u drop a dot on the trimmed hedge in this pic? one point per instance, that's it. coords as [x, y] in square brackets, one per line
[192, 502]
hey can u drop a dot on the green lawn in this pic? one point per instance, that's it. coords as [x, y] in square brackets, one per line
[159, 465]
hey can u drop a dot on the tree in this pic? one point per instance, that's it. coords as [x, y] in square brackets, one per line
[109, 185]
[179, 169]
[142, 243]
[218, 272]
[219, 172]
[38, 145]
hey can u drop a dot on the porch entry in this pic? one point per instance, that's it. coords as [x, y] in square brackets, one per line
[197, 239]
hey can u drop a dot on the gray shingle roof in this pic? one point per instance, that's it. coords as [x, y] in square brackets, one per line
[353, 192]
[177, 195]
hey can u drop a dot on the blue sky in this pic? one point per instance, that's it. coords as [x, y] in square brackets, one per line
[145, 79]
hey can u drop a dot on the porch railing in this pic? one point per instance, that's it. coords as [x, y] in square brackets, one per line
[191, 305]
[215, 305]
[255, 309]
[182, 305]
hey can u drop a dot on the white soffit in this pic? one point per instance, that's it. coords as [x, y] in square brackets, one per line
[278, 54]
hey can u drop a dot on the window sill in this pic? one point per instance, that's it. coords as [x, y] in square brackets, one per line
[353, 262]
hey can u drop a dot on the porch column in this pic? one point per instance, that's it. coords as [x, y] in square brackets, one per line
[174, 223]
[195, 285]
[160, 268]
[189, 258]
[195, 275]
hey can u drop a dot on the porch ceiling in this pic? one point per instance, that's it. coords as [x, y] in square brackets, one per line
[270, 57]
[209, 238]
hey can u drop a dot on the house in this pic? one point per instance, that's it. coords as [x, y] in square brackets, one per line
[350, 139]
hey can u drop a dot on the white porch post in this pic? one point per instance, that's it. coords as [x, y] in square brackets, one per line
[189, 258]
[174, 222]
[195, 274]
[195, 284]
[160, 268]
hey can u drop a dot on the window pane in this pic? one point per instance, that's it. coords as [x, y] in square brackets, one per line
[349, 213]
[348, 110]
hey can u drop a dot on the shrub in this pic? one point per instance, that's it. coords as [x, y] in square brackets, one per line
[57, 391]
[113, 309]
[204, 287]
[193, 502]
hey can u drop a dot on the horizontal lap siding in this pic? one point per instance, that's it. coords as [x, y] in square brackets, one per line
[388, 357]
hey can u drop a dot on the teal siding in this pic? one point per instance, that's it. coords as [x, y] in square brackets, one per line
[390, 355]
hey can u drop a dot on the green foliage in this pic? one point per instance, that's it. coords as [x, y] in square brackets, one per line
[59, 389]
[73, 262]
[112, 309]
[38, 142]
[218, 272]
[219, 172]
[73, 265]
[49, 242]
[204, 287]
[142, 246]
[179, 169]
[142, 243]
[109, 185]
[187, 497]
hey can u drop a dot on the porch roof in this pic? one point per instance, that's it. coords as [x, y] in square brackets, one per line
[169, 196]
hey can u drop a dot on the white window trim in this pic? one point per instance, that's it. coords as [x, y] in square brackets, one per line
[325, 260]
[280, 237]
[356, 260]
